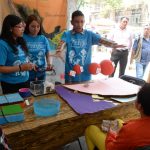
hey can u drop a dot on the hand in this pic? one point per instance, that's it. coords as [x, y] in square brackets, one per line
[58, 53]
[49, 67]
[108, 125]
[132, 66]
[114, 126]
[60, 44]
[28, 67]
[105, 126]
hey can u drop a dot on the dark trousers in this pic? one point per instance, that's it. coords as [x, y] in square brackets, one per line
[122, 58]
[13, 88]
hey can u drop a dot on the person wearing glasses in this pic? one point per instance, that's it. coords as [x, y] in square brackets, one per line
[14, 64]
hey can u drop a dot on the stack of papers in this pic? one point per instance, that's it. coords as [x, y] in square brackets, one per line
[124, 99]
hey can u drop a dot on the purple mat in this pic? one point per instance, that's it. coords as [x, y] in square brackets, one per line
[82, 103]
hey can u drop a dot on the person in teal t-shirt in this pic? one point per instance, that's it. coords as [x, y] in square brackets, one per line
[14, 63]
[79, 42]
[39, 48]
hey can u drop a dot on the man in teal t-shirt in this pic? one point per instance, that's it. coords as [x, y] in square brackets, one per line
[79, 42]
[79, 52]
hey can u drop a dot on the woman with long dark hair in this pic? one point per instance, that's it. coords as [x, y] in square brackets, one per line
[14, 65]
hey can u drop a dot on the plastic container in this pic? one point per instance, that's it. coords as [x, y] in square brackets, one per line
[37, 87]
[46, 107]
[24, 92]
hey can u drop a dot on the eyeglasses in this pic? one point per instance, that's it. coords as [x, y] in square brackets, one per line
[19, 26]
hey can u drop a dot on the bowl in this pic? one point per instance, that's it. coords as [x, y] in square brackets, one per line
[46, 107]
[24, 92]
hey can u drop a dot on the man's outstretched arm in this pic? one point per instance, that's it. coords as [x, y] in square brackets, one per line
[110, 43]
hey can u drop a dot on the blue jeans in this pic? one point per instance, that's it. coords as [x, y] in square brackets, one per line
[140, 70]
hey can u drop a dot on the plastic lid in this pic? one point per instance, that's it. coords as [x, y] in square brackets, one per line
[24, 90]
[46, 107]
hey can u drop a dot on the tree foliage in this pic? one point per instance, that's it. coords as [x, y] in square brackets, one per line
[114, 4]
[81, 3]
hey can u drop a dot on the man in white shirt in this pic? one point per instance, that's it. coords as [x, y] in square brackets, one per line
[122, 35]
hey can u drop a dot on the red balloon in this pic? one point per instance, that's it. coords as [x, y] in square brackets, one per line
[94, 68]
[107, 67]
[77, 69]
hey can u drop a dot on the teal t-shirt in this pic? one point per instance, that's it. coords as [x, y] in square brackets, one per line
[9, 58]
[38, 47]
[79, 52]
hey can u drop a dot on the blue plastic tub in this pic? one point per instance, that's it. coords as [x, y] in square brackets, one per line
[46, 107]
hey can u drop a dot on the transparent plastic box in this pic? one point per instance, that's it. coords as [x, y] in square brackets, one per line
[37, 87]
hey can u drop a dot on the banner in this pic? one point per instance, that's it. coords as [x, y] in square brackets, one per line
[53, 12]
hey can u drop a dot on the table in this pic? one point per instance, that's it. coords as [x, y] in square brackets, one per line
[53, 132]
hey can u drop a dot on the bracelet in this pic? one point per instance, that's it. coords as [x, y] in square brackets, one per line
[19, 68]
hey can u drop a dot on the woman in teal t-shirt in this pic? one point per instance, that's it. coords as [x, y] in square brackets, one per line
[14, 64]
[39, 48]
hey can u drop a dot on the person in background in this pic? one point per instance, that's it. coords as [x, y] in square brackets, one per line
[122, 35]
[141, 52]
[38, 46]
[79, 42]
[133, 134]
[14, 65]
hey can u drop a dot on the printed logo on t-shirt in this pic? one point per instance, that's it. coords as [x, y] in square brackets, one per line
[78, 43]
[35, 46]
[78, 54]
[77, 58]
[38, 59]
